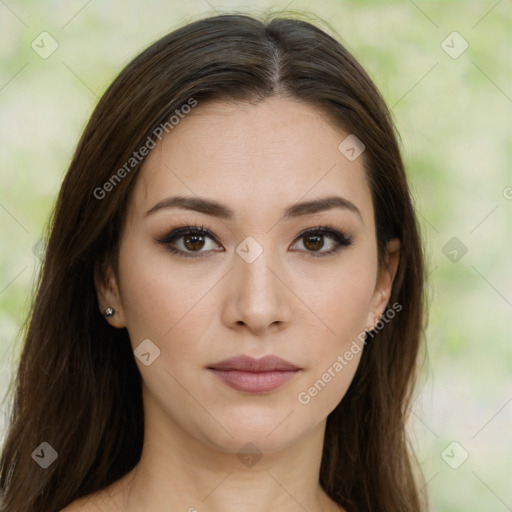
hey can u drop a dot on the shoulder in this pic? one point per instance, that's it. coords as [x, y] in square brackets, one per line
[79, 505]
[104, 500]
[93, 503]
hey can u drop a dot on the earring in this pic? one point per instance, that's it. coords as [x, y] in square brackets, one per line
[109, 312]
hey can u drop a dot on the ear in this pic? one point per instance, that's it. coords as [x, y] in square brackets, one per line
[384, 283]
[107, 289]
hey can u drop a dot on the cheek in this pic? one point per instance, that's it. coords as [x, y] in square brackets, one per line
[334, 358]
[329, 382]
[343, 299]
[343, 303]
[157, 299]
[161, 304]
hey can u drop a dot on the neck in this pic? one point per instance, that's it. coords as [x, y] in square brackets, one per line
[178, 472]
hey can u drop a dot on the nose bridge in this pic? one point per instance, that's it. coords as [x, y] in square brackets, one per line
[253, 266]
[258, 294]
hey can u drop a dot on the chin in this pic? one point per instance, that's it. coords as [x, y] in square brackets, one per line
[269, 432]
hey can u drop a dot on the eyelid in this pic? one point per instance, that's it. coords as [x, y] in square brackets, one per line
[184, 230]
[342, 240]
[180, 232]
[339, 236]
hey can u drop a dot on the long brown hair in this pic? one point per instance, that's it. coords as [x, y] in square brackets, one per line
[78, 387]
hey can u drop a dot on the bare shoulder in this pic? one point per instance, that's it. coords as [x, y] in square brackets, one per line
[109, 499]
[97, 502]
[79, 505]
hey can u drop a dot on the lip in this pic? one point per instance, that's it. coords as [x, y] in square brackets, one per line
[262, 375]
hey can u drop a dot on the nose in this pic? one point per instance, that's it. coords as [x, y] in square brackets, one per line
[257, 296]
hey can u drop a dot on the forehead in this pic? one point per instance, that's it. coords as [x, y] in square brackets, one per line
[255, 158]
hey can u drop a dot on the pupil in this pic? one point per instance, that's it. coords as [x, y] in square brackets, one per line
[193, 240]
[313, 242]
[317, 244]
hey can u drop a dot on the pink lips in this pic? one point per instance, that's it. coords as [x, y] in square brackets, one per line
[255, 375]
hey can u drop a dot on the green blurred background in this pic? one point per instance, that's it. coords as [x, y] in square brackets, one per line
[452, 106]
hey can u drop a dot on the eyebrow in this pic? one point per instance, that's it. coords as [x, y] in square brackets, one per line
[210, 207]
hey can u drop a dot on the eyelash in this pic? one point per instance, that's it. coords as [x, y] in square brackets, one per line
[340, 238]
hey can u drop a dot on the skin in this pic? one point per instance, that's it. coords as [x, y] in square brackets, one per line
[256, 159]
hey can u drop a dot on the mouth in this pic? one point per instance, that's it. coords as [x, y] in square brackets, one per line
[262, 375]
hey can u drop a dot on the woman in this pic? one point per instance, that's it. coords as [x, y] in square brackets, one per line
[230, 309]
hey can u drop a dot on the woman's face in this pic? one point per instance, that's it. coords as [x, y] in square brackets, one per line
[255, 285]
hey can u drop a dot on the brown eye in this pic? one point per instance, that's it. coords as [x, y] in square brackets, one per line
[313, 242]
[189, 241]
[193, 242]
